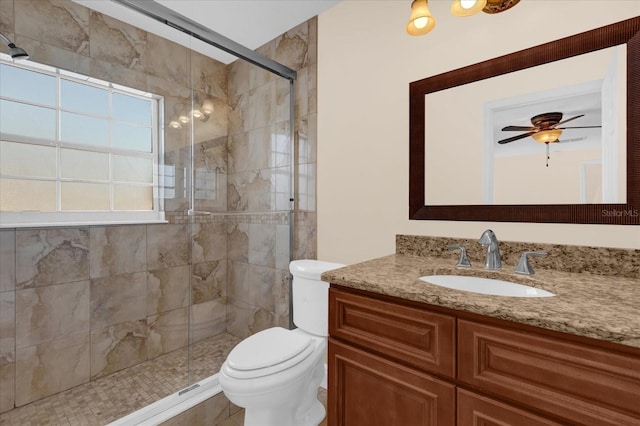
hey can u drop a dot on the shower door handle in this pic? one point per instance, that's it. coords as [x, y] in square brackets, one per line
[192, 212]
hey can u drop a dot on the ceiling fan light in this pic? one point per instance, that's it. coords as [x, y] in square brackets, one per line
[547, 136]
[421, 21]
[499, 6]
[467, 7]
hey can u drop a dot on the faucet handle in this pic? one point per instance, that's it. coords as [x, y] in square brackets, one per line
[464, 260]
[524, 267]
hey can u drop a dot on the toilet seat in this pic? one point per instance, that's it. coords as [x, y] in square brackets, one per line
[268, 352]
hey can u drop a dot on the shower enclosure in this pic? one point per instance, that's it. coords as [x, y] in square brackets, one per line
[100, 319]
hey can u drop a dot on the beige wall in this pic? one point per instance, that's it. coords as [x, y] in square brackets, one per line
[365, 64]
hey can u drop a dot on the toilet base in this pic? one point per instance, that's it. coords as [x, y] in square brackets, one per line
[283, 416]
[313, 416]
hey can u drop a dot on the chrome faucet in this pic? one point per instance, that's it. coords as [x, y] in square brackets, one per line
[489, 240]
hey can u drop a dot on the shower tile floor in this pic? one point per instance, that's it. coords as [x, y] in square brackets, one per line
[107, 399]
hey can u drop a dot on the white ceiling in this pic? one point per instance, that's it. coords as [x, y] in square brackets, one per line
[250, 23]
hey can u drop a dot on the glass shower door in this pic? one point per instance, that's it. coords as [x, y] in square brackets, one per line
[208, 117]
[240, 204]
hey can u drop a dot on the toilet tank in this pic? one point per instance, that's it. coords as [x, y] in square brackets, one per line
[311, 295]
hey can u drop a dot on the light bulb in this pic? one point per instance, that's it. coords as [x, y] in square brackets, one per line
[207, 106]
[196, 113]
[467, 4]
[467, 7]
[175, 124]
[183, 119]
[420, 22]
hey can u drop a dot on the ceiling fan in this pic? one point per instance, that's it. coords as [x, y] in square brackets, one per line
[545, 128]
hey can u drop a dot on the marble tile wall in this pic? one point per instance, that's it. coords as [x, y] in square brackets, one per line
[257, 271]
[291, 52]
[259, 165]
[81, 303]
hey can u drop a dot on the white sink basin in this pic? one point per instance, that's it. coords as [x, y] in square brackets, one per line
[485, 286]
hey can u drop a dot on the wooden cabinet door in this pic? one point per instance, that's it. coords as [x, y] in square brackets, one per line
[588, 385]
[478, 410]
[367, 390]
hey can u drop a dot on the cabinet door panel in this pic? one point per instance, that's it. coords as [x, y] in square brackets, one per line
[478, 410]
[365, 389]
[586, 384]
[416, 337]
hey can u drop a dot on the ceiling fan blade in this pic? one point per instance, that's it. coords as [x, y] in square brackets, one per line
[579, 127]
[515, 138]
[517, 129]
[567, 120]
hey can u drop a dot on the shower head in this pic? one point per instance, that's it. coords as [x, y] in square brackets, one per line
[15, 51]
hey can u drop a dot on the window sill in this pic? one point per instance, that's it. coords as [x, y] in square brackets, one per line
[52, 220]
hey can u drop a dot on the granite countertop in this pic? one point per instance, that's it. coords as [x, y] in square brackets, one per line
[596, 306]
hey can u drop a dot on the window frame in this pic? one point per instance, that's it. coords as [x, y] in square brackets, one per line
[59, 217]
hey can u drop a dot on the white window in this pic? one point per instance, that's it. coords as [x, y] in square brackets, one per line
[76, 150]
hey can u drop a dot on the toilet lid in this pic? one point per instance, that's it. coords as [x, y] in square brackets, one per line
[268, 348]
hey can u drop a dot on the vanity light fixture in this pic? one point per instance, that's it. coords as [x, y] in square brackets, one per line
[207, 107]
[197, 113]
[467, 7]
[421, 21]
[202, 107]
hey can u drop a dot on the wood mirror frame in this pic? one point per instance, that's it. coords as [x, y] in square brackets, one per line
[620, 214]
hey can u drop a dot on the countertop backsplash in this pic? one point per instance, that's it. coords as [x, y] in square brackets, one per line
[568, 258]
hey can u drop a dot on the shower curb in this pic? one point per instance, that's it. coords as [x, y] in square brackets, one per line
[172, 405]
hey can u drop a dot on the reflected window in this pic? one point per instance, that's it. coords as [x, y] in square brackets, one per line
[206, 184]
[75, 149]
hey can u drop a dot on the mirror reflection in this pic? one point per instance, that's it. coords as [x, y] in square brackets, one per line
[550, 134]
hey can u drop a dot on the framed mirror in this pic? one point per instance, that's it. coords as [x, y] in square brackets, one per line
[598, 112]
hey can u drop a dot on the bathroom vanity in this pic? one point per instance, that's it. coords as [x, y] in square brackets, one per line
[403, 352]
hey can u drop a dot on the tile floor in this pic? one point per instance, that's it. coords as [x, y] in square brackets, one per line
[109, 398]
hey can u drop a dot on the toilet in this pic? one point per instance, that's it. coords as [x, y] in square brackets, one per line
[275, 374]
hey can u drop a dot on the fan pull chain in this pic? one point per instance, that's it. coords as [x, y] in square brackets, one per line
[547, 144]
